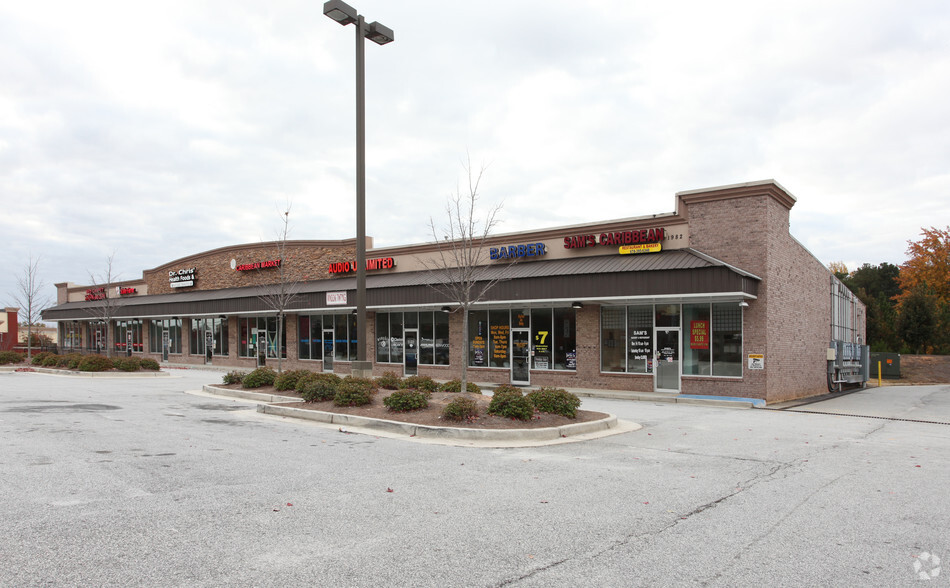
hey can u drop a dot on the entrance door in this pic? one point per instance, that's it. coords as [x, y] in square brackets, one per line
[411, 352]
[667, 354]
[328, 350]
[520, 357]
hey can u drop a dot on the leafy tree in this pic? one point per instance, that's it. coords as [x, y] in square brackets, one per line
[918, 321]
[928, 266]
[840, 270]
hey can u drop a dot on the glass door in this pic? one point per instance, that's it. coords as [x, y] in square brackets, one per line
[328, 350]
[520, 357]
[411, 365]
[667, 354]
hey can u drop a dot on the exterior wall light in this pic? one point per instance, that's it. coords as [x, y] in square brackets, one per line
[743, 304]
[446, 309]
[577, 305]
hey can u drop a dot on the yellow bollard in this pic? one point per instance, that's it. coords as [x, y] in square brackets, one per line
[878, 374]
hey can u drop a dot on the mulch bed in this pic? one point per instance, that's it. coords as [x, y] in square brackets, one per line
[432, 415]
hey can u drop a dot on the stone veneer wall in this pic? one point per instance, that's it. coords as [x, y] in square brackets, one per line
[301, 262]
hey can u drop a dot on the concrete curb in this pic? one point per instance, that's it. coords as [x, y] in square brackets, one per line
[453, 433]
[271, 405]
[720, 401]
[247, 394]
[54, 372]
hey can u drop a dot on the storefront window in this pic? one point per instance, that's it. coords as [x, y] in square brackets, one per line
[303, 337]
[640, 339]
[441, 320]
[121, 333]
[254, 330]
[499, 330]
[426, 339]
[564, 330]
[542, 339]
[71, 335]
[395, 337]
[612, 333]
[478, 338]
[155, 330]
[667, 315]
[341, 342]
[316, 335]
[219, 335]
[696, 340]
[726, 339]
[382, 337]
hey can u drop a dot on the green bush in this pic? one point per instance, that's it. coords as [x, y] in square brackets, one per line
[456, 386]
[556, 401]
[406, 400]
[509, 403]
[288, 380]
[463, 408]
[148, 363]
[354, 392]
[318, 387]
[94, 363]
[73, 360]
[389, 381]
[233, 377]
[8, 357]
[424, 383]
[40, 357]
[50, 361]
[127, 364]
[262, 376]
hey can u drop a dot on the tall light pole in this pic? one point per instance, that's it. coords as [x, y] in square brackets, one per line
[345, 14]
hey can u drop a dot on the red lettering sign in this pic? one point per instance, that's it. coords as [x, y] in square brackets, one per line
[345, 267]
[699, 334]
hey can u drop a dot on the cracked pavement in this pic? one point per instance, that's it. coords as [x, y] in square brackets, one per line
[132, 482]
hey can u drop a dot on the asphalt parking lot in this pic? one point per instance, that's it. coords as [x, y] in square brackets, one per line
[119, 482]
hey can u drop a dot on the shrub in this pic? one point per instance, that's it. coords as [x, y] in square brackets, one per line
[461, 409]
[288, 380]
[389, 381]
[73, 360]
[40, 357]
[456, 386]
[510, 403]
[556, 401]
[50, 361]
[94, 363]
[262, 376]
[424, 383]
[148, 363]
[233, 377]
[127, 364]
[406, 400]
[8, 357]
[354, 392]
[317, 387]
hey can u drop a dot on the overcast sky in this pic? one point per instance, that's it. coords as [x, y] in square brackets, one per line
[159, 130]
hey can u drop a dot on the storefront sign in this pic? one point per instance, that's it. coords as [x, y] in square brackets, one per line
[641, 342]
[640, 248]
[756, 361]
[336, 298]
[96, 293]
[345, 267]
[516, 251]
[245, 267]
[699, 334]
[182, 278]
[499, 341]
[126, 291]
[615, 239]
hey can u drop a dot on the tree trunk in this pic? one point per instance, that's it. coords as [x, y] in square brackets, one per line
[465, 348]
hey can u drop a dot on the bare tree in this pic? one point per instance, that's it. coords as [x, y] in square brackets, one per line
[30, 298]
[278, 297]
[457, 270]
[106, 301]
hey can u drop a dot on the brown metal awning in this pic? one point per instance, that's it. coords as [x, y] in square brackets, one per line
[683, 273]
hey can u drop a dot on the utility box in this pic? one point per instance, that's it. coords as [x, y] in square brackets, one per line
[890, 365]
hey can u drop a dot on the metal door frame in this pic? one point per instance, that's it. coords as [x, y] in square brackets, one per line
[511, 345]
[328, 365]
[405, 351]
[657, 362]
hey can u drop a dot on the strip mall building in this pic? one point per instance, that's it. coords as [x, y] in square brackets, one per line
[716, 298]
